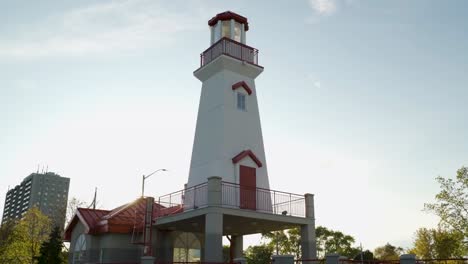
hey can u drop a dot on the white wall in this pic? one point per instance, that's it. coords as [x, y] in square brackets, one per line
[222, 130]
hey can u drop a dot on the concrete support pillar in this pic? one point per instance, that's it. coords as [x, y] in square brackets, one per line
[308, 243]
[164, 247]
[308, 238]
[332, 259]
[214, 191]
[283, 259]
[213, 250]
[238, 246]
[408, 259]
[147, 260]
[309, 204]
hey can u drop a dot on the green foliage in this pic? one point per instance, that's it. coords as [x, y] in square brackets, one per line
[366, 255]
[258, 254]
[226, 254]
[388, 252]
[23, 242]
[285, 242]
[438, 244]
[452, 202]
[51, 250]
[330, 241]
[278, 242]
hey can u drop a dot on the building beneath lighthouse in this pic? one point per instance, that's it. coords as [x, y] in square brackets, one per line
[228, 191]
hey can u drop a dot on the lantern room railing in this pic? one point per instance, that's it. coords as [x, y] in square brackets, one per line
[231, 48]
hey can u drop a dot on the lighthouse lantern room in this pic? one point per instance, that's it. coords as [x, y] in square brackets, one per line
[228, 25]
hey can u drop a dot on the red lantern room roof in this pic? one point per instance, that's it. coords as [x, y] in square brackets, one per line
[228, 15]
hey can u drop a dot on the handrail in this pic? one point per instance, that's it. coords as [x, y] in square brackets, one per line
[231, 40]
[263, 189]
[231, 48]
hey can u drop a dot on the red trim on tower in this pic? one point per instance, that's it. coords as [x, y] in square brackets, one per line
[244, 85]
[228, 15]
[244, 154]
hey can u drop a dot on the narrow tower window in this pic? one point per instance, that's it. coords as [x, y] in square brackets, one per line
[241, 101]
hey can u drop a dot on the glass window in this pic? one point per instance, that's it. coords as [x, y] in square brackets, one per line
[241, 101]
[217, 32]
[226, 29]
[237, 31]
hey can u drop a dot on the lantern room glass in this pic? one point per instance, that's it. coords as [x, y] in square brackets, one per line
[223, 30]
[237, 31]
[226, 30]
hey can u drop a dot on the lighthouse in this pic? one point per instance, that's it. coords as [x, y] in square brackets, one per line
[228, 139]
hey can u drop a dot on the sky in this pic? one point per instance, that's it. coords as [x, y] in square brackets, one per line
[362, 103]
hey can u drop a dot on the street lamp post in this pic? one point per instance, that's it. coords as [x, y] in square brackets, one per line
[145, 177]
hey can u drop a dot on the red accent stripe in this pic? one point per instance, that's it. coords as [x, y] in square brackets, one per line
[228, 15]
[244, 154]
[244, 85]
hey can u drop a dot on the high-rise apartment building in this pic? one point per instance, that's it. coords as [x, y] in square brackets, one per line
[47, 191]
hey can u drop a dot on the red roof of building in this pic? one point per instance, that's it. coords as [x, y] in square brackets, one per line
[122, 219]
[228, 15]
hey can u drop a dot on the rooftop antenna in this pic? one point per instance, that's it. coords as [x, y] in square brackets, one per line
[38, 168]
[93, 204]
[47, 169]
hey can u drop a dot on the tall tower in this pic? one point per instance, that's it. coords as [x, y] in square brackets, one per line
[228, 139]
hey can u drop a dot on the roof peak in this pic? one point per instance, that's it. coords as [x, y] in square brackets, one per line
[228, 15]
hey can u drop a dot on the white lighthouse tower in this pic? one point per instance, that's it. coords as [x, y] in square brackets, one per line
[228, 139]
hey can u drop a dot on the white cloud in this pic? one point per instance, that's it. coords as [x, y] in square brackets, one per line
[317, 84]
[102, 28]
[323, 7]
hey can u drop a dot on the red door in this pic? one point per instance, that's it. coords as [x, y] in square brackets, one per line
[248, 188]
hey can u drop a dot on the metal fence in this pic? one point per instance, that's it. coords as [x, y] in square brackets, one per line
[375, 261]
[309, 261]
[262, 200]
[229, 47]
[234, 196]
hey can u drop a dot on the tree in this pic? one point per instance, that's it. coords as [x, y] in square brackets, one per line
[388, 252]
[367, 255]
[294, 235]
[6, 232]
[72, 205]
[278, 241]
[26, 238]
[51, 250]
[330, 241]
[226, 254]
[452, 202]
[259, 254]
[438, 244]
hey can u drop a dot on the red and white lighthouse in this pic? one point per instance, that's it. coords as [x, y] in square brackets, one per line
[228, 139]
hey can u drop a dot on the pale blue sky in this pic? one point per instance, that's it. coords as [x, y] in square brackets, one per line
[363, 103]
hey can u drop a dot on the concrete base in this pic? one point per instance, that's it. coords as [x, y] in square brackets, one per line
[408, 259]
[332, 259]
[283, 259]
[147, 260]
[240, 261]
